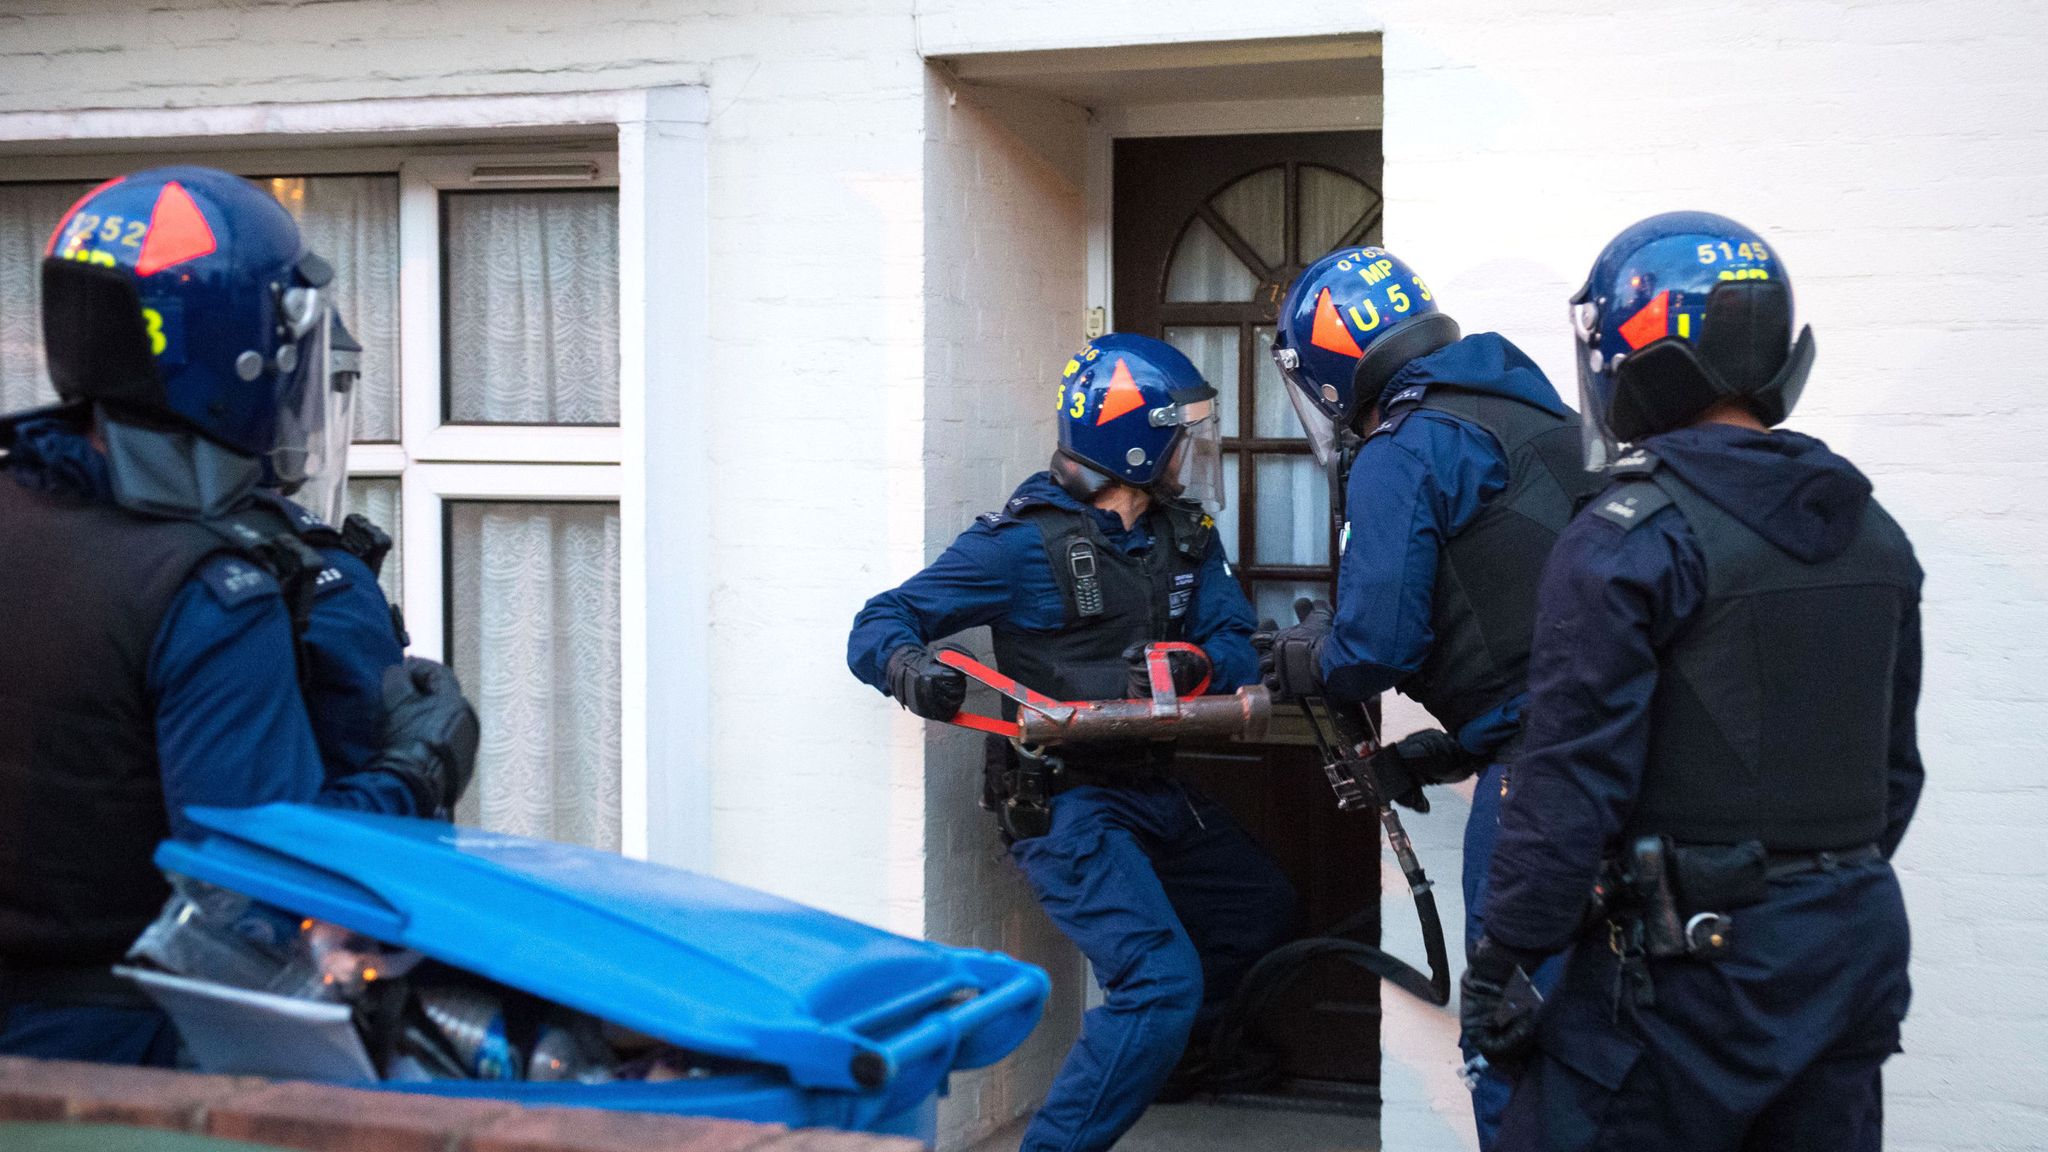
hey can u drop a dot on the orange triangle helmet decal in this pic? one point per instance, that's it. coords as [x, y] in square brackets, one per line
[177, 232]
[1652, 323]
[1123, 395]
[1329, 331]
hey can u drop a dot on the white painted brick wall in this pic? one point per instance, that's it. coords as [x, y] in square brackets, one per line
[1895, 149]
[1005, 245]
[1897, 154]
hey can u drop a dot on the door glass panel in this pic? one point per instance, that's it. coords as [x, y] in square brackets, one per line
[352, 222]
[28, 214]
[1226, 520]
[1274, 599]
[1256, 209]
[1331, 204]
[534, 629]
[377, 498]
[1203, 269]
[1214, 351]
[1272, 416]
[1294, 511]
[532, 307]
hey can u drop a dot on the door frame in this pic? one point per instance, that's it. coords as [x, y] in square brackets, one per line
[1209, 118]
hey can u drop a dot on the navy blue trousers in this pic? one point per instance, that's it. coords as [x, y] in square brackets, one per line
[1493, 1088]
[1172, 903]
[1776, 1047]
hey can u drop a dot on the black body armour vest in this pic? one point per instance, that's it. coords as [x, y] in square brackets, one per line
[1483, 610]
[1772, 715]
[1113, 600]
[81, 795]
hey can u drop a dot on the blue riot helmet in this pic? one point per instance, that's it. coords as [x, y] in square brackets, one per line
[1349, 322]
[1134, 411]
[183, 304]
[1681, 311]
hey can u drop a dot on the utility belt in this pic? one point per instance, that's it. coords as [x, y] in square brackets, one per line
[1018, 782]
[1665, 900]
[82, 985]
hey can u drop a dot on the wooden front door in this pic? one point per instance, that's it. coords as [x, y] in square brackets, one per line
[1209, 231]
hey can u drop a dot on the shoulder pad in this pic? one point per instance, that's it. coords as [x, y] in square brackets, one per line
[1191, 526]
[1630, 503]
[330, 579]
[235, 581]
[1634, 463]
[1404, 404]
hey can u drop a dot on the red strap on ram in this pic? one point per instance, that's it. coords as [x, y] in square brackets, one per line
[1025, 698]
[1159, 670]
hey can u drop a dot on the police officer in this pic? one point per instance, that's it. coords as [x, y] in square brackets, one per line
[1721, 714]
[1468, 469]
[1086, 564]
[155, 660]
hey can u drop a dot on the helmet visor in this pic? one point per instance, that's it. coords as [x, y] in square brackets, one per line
[1315, 424]
[1599, 444]
[1196, 471]
[314, 426]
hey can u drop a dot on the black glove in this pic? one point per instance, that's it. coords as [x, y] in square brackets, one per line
[1188, 669]
[1430, 756]
[1292, 666]
[923, 685]
[1497, 1005]
[430, 733]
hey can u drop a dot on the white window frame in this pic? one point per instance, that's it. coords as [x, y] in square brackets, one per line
[660, 159]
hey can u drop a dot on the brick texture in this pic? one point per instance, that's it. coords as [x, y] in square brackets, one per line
[137, 1097]
[322, 1118]
[587, 1130]
[317, 1118]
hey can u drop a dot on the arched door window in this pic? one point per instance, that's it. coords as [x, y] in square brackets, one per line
[1222, 282]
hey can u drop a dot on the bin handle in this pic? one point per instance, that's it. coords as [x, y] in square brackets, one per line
[940, 1033]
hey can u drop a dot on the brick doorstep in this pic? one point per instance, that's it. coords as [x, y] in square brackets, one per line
[323, 1118]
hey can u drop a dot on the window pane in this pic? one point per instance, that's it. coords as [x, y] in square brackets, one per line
[1226, 520]
[1331, 203]
[377, 498]
[1256, 209]
[1202, 268]
[352, 221]
[28, 214]
[1214, 351]
[1274, 599]
[534, 625]
[532, 307]
[1294, 511]
[1272, 415]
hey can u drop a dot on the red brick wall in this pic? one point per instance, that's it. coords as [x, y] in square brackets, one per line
[319, 1118]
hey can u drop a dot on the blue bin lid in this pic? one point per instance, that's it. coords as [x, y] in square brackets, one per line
[697, 962]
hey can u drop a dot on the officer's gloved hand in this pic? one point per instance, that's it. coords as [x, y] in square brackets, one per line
[1293, 666]
[1430, 756]
[923, 685]
[430, 733]
[1189, 670]
[1497, 1005]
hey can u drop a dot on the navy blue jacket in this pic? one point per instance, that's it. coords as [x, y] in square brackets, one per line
[996, 574]
[1408, 493]
[232, 729]
[1610, 599]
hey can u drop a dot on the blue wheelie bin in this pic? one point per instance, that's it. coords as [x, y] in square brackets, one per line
[813, 1020]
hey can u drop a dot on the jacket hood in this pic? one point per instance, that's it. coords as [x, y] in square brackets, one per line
[1786, 487]
[52, 454]
[1481, 362]
[1041, 488]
